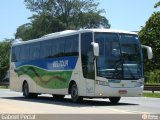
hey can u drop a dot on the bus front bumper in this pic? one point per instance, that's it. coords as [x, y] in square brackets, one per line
[107, 91]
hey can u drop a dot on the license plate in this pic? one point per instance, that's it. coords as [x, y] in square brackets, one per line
[122, 91]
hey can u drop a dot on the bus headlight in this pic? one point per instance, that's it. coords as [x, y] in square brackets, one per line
[104, 83]
[139, 84]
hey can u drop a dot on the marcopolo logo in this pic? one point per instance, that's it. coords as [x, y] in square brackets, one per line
[60, 63]
[150, 117]
[144, 117]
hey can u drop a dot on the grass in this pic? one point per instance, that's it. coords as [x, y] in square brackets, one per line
[3, 87]
[152, 83]
[153, 95]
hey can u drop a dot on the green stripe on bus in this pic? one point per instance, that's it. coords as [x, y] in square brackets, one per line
[44, 78]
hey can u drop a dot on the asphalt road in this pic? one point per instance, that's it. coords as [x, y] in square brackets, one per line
[15, 103]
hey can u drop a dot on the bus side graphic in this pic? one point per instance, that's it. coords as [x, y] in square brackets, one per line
[44, 74]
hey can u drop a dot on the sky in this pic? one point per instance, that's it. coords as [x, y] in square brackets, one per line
[122, 14]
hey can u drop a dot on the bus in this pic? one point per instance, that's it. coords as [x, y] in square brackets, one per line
[88, 63]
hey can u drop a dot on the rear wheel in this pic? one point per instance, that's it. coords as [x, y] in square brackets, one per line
[25, 90]
[58, 97]
[26, 93]
[114, 100]
[74, 94]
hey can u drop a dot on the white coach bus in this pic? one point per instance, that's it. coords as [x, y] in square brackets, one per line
[91, 63]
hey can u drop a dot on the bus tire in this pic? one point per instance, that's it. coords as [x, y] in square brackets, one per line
[26, 90]
[58, 97]
[74, 93]
[114, 100]
[26, 93]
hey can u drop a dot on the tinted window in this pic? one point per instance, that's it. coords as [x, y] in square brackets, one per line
[24, 52]
[87, 56]
[17, 53]
[58, 47]
[109, 50]
[120, 56]
[46, 49]
[71, 45]
[60, 44]
[35, 51]
[13, 59]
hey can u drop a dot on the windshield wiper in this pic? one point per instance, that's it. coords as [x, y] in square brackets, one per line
[125, 55]
[130, 72]
[118, 74]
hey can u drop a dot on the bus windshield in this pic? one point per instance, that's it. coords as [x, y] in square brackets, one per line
[120, 56]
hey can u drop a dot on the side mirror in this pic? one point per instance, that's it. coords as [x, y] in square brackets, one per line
[149, 51]
[95, 48]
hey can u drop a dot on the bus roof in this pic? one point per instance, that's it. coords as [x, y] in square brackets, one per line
[72, 32]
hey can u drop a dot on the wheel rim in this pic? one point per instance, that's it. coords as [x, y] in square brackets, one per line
[74, 92]
[25, 89]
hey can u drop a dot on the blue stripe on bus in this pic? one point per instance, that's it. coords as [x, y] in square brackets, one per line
[61, 63]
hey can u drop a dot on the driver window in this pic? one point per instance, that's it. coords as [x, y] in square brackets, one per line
[87, 56]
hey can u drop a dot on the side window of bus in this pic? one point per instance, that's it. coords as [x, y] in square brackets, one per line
[16, 54]
[54, 48]
[60, 43]
[87, 56]
[46, 49]
[35, 51]
[24, 52]
[13, 59]
[71, 45]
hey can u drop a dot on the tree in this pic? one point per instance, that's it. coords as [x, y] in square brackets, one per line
[4, 57]
[39, 26]
[157, 4]
[150, 35]
[24, 32]
[57, 15]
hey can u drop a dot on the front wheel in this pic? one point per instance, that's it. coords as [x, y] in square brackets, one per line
[114, 100]
[74, 94]
[26, 93]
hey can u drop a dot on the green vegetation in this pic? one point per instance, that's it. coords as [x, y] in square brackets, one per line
[152, 83]
[154, 95]
[150, 36]
[51, 16]
[152, 77]
[3, 87]
[4, 57]
[157, 4]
